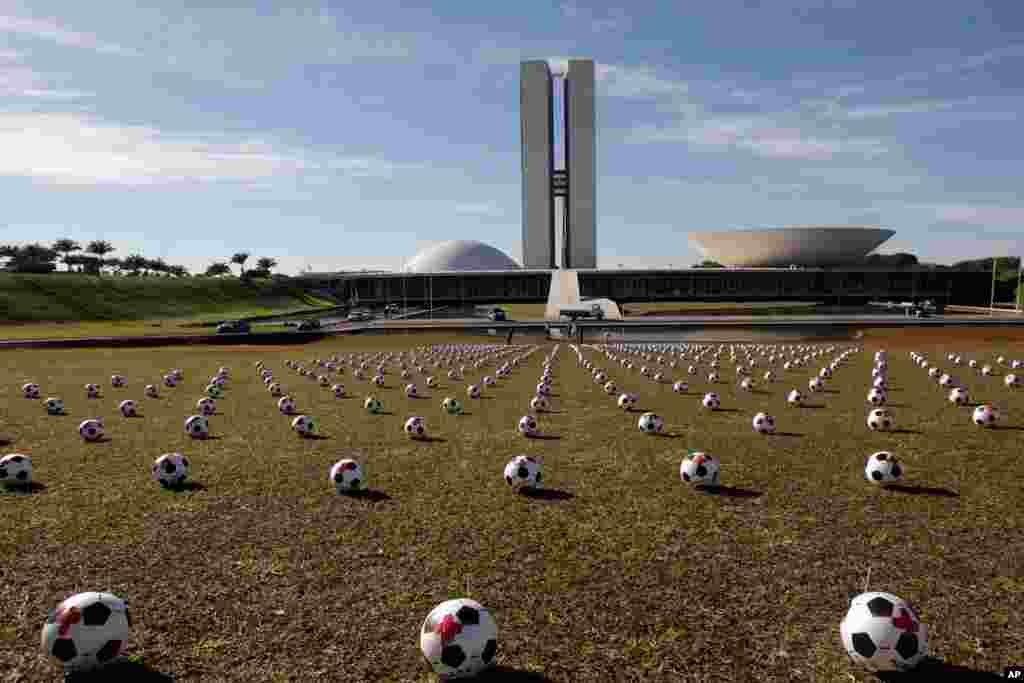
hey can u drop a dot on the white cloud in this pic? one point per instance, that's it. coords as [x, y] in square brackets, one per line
[44, 29]
[18, 80]
[636, 83]
[975, 214]
[479, 209]
[74, 149]
[613, 20]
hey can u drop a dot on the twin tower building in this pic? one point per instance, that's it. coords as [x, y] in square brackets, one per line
[547, 189]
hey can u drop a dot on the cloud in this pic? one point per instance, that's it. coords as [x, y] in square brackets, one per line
[975, 214]
[77, 150]
[18, 80]
[613, 20]
[636, 83]
[43, 29]
[479, 209]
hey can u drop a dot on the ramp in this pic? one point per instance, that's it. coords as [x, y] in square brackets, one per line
[565, 291]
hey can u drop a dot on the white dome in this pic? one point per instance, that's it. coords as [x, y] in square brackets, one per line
[460, 255]
[810, 246]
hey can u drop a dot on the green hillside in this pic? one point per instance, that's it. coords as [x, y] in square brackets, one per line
[75, 297]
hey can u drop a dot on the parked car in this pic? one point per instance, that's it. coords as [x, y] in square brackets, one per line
[234, 327]
[309, 325]
[359, 316]
[497, 315]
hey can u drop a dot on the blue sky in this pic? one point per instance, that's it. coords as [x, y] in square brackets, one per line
[349, 135]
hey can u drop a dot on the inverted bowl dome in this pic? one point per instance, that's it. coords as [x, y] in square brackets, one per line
[781, 247]
[460, 255]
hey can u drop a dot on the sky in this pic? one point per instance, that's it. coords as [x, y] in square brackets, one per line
[339, 136]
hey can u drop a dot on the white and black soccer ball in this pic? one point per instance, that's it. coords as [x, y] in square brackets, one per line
[680, 387]
[411, 391]
[151, 391]
[171, 469]
[764, 423]
[815, 384]
[747, 384]
[1016, 364]
[92, 391]
[117, 381]
[378, 380]
[304, 425]
[54, 406]
[877, 397]
[373, 405]
[825, 373]
[539, 404]
[610, 388]
[650, 423]
[960, 396]
[452, 406]
[524, 472]
[626, 401]
[880, 420]
[600, 377]
[348, 476]
[985, 415]
[197, 426]
[170, 381]
[691, 369]
[1012, 381]
[880, 383]
[712, 377]
[473, 391]
[459, 639]
[795, 398]
[15, 470]
[30, 390]
[91, 430]
[275, 389]
[883, 468]
[415, 427]
[87, 631]
[769, 376]
[986, 370]
[527, 425]
[324, 380]
[881, 632]
[432, 382]
[543, 389]
[947, 381]
[488, 381]
[128, 408]
[286, 404]
[934, 372]
[711, 401]
[699, 467]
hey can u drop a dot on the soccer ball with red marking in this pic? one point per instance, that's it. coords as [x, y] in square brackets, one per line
[348, 476]
[882, 632]
[459, 639]
[699, 468]
[87, 631]
[524, 472]
[171, 469]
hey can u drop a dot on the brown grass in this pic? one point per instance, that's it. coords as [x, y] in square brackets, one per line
[265, 575]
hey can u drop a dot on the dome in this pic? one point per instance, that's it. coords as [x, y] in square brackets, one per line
[781, 247]
[460, 255]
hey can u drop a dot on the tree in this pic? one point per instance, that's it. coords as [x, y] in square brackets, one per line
[218, 268]
[178, 271]
[708, 264]
[115, 264]
[135, 263]
[264, 265]
[100, 248]
[32, 258]
[157, 265]
[66, 246]
[240, 258]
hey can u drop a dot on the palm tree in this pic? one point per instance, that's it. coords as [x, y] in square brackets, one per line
[264, 264]
[240, 258]
[218, 268]
[178, 271]
[157, 265]
[116, 264]
[66, 246]
[134, 263]
[100, 248]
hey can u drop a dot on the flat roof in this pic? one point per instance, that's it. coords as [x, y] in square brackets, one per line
[345, 275]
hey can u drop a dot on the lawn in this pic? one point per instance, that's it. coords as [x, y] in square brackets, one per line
[264, 574]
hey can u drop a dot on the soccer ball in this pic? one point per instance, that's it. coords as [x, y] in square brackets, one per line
[795, 398]
[171, 469]
[1012, 381]
[151, 391]
[691, 369]
[747, 384]
[543, 389]
[92, 391]
[881, 632]
[539, 404]
[959, 396]
[275, 389]
[712, 377]
[986, 370]
[527, 425]
[91, 430]
[87, 631]
[415, 427]
[883, 467]
[411, 391]
[699, 468]
[626, 401]
[488, 381]
[431, 382]
[373, 405]
[880, 420]
[304, 425]
[680, 387]
[524, 472]
[764, 423]
[985, 415]
[128, 408]
[459, 639]
[15, 470]
[452, 405]
[324, 380]
[600, 378]
[117, 381]
[769, 376]
[815, 384]
[197, 426]
[473, 391]
[31, 390]
[286, 404]
[378, 380]
[348, 477]
[650, 423]
[453, 374]
[877, 397]
[880, 383]
[972, 363]
[214, 391]
[934, 372]
[54, 406]
[947, 381]
[711, 401]
[339, 390]
[825, 373]
[170, 381]
[610, 388]
[658, 377]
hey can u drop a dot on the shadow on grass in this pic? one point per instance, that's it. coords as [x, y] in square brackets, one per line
[905, 431]
[211, 437]
[1011, 428]
[371, 495]
[921, 490]
[136, 672]
[317, 437]
[187, 486]
[23, 489]
[726, 410]
[728, 491]
[897, 405]
[385, 412]
[814, 406]
[934, 669]
[830, 391]
[485, 398]
[797, 434]
[546, 494]
[543, 437]
[508, 674]
[666, 435]
[430, 439]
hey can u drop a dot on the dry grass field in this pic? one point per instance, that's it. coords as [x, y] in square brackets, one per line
[262, 573]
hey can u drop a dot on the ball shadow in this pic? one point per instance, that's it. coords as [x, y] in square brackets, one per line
[667, 435]
[508, 674]
[127, 670]
[921, 490]
[543, 437]
[897, 405]
[905, 431]
[371, 495]
[813, 406]
[384, 412]
[23, 489]
[545, 494]
[431, 439]
[1011, 428]
[186, 486]
[728, 491]
[486, 398]
[317, 437]
[725, 410]
[796, 434]
[211, 438]
[934, 669]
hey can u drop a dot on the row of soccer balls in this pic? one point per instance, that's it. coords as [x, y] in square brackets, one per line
[880, 632]
[32, 390]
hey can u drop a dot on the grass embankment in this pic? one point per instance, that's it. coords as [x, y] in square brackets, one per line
[627, 574]
[72, 305]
